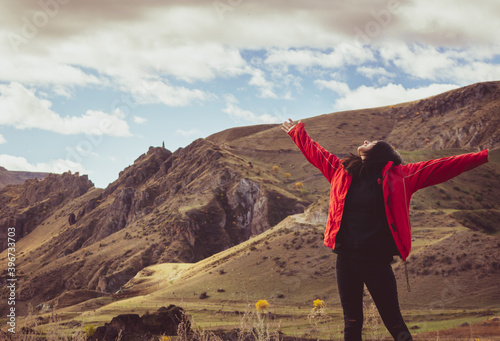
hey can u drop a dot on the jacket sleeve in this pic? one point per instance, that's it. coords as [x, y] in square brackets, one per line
[318, 156]
[427, 173]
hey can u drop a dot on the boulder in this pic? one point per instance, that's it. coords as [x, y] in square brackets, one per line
[132, 327]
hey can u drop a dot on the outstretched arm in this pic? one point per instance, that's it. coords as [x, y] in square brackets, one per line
[427, 173]
[318, 156]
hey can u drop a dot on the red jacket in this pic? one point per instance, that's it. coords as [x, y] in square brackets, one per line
[398, 184]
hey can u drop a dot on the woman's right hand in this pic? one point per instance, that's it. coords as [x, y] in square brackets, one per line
[287, 126]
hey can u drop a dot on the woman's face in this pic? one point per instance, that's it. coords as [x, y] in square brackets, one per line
[366, 146]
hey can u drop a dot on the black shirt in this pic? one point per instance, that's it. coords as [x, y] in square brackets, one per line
[364, 232]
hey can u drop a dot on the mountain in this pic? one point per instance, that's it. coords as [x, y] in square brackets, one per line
[77, 242]
[166, 207]
[16, 177]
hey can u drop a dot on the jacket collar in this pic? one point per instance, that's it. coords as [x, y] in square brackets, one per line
[386, 168]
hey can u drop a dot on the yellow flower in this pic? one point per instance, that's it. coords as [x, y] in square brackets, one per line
[261, 305]
[318, 304]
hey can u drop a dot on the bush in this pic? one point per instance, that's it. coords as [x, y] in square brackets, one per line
[90, 330]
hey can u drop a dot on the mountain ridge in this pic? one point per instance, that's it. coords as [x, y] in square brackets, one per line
[17, 177]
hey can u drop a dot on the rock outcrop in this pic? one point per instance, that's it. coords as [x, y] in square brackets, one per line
[133, 327]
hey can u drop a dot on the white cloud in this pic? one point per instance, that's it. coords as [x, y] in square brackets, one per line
[194, 62]
[131, 55]
[17, 163]
[473, 72]
[83, 149]
[187, 133]
[369, 97]
[452, 23]
[239, 114]
[378, 73]
[123, 44]
[304, 59]
[43, 71]
[139, 120]
[437, 64]
[336, 86]
[419, 61]
[266, 88]
[22, 109]
[2, 139]
[157, 91]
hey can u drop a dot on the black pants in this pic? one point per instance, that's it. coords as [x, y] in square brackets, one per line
[379, 278]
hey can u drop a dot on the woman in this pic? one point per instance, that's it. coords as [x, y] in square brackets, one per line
[368, 220]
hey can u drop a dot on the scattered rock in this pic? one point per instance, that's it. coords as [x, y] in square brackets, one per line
[132, 327]
[72, 219]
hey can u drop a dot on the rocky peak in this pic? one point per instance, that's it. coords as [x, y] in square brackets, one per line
[144, 167]
[25, 206]
[57, 187]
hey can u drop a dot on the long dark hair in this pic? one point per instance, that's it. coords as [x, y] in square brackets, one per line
[375, 160]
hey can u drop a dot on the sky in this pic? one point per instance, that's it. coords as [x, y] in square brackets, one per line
[89, 85]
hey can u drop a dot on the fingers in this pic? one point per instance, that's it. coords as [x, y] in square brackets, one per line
[287, 126]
